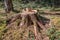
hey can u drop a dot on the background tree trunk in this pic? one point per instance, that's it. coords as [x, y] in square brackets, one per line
[8, 5]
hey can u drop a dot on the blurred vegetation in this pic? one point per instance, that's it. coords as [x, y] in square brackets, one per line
[2, 26]
[18, 4]
[53, 33]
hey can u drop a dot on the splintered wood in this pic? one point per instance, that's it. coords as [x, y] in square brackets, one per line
[28, 18]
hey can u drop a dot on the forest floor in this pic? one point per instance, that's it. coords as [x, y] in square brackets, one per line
[55, 19]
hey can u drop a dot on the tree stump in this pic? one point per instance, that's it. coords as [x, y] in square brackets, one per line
[27, 18]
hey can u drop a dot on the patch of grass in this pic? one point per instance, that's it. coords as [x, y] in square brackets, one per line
[2, 25]
[53, 33]
[56, 21]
